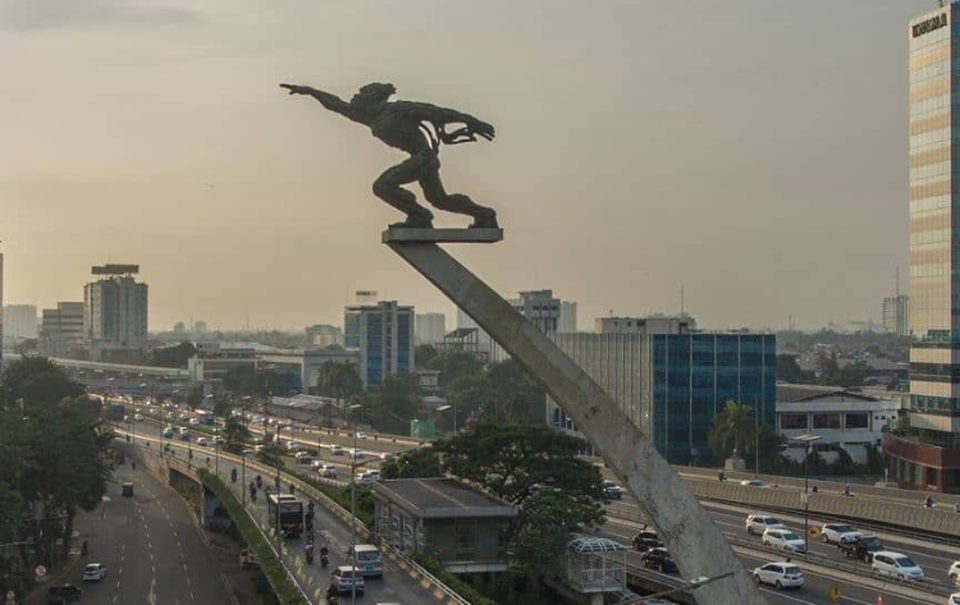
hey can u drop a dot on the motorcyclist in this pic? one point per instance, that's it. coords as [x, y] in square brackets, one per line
[308, 549]
[259, 481]
[85, 547]
[292, 488]
[333, 595]
[928, 502]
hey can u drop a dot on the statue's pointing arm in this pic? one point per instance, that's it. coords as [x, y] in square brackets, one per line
[329, 101]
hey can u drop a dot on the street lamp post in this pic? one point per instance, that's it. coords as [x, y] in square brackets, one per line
[353, 506]
[806, 441]
[243, 453]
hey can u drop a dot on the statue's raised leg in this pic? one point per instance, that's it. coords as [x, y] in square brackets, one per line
[388, 188]
[433, 190]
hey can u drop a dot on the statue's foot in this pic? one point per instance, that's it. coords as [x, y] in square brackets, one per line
[486, 222]
[415, 223]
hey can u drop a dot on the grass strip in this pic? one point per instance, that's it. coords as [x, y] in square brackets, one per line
[284, 587]
[464, 589]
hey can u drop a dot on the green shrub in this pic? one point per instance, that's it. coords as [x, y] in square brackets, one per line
[464, 589]
[270, 564]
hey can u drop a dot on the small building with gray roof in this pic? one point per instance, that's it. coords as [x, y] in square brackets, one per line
[446, 519]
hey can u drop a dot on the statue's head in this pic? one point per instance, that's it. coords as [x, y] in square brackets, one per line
[375, 93]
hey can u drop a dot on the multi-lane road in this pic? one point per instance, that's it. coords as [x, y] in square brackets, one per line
[822, 572]
[150, 547]
[396, 586]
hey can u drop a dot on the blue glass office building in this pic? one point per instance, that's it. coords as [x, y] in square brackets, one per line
[383, 334]
[672, 385]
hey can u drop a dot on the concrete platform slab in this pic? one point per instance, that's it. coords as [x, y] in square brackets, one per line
[442, 236]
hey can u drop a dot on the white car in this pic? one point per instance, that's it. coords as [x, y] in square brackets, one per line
[757, 524]
[362, 435]
[954, 599]
[387, 456]
[357, 453]
[784, 539]
[753, 483]
[293, 445]
[138, 417]
[954, 572]
[203, 441]
[780, 574]
[94, 572]
[327, 470]
[896, 565]
[365, 479]
[834, 533]
[336, 450]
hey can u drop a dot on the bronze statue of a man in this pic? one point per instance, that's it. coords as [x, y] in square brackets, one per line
[418, 129]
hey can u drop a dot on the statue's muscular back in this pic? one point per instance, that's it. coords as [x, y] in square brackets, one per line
[397, 125]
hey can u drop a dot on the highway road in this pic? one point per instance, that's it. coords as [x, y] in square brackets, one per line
[395, 586]
[624, 520]
[150, 546]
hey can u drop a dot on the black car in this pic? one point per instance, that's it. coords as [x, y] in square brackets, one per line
[645, 540]
[659, 559]
[861, 547]
[63, 593]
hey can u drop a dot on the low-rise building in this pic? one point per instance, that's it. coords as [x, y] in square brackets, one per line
[452, 522]
[843, 419]
[304, 408]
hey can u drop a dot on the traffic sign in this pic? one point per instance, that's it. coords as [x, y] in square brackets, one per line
[41, 571]
[814, 531]
[835, 593]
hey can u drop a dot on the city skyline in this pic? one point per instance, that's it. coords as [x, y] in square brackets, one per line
[791, 171]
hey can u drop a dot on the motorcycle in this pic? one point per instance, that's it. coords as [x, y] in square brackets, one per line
[233, 476]
[324, 558]
[259, 481]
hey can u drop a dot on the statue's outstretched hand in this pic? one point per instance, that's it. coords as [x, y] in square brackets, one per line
[296, 89]
[483, 129]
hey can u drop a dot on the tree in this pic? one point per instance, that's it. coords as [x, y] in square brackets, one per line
[423, 354]
[454, 364]
[538, 469]
[469, 394]
[175, 356]
[391, 406]
[518, 396]
[222, 407]
[33, 382]
[339, 379]
[771, 444]
[788, 370]
[732, 427]
[249, 380]
[235, 435]
[414, 464]
[271, 455]
[511, 460]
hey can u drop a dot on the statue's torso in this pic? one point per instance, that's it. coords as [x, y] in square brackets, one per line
[395, 128]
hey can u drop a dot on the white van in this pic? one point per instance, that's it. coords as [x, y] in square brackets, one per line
[896, 565]
[369, 562]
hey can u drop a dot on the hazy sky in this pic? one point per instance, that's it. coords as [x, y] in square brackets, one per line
[754, 151]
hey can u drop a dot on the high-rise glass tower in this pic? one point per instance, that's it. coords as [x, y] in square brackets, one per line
[927, 456]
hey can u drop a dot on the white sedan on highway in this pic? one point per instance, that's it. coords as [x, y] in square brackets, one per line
[784, 539]
[780, 574]
[94, 572]
[834, 533]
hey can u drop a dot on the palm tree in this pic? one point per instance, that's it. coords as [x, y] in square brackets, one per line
[734, 424]
[340, 379]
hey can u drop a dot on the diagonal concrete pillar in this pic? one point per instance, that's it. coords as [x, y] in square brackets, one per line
[696, 543]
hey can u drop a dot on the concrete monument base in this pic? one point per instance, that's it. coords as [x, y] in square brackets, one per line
[442, 236]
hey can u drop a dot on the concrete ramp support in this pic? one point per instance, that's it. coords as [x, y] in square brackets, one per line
[696, 543]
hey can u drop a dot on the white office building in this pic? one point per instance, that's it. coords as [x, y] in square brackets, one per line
[430, 328]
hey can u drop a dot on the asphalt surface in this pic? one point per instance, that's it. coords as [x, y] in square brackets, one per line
[625, 518]
[395, 586]
[150, 546]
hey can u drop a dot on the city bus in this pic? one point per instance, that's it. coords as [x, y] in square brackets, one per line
[205, 418]
[286, 514]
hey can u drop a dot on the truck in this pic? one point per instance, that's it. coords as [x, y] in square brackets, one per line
[860, 547]
[286, 514]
